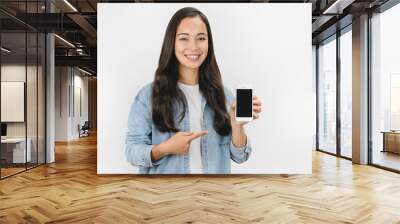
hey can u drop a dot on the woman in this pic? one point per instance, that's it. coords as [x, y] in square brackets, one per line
[179, 123]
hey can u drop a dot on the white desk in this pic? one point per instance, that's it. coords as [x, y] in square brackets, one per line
[19, 149]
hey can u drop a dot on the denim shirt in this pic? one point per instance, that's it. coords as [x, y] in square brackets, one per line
[216, 150]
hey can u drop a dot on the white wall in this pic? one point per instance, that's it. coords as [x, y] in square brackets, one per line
[61, 103]
[68, 80]
[253, 43]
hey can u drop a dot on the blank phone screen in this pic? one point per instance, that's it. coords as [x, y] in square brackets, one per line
[244, 102]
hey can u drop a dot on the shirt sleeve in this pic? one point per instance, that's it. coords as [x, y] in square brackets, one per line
[138, 139]
[242, 154]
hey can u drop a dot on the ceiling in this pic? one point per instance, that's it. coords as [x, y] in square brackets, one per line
[76, 22]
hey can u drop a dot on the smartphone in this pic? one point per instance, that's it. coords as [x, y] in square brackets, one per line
[244, 103]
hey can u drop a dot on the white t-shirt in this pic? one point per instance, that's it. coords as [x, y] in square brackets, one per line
[193, 98]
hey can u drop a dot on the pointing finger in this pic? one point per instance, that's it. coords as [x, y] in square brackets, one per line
[198, 134]
[186, 133]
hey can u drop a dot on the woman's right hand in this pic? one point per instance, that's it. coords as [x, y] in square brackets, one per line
[177, 144]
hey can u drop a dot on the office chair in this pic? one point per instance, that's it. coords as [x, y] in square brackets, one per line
[84, 130]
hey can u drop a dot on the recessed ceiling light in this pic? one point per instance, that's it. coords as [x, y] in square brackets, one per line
[84, 71]
[337, 7]
[5, 50]
[64, 40]
[70, 5]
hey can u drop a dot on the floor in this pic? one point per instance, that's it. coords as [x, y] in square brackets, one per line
[387, 159]
[70, 191]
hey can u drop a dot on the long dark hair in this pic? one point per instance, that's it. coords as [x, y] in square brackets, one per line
[165, 88]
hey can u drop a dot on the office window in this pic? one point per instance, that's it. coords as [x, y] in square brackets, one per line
[327, 96]
[385, 91]
[346, 93]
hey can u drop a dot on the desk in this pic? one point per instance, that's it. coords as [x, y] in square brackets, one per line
[15, 148]
[391, 141]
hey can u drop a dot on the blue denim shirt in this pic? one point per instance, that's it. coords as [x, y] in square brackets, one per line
[216, 150]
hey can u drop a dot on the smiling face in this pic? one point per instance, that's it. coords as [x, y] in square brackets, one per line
[191, 43]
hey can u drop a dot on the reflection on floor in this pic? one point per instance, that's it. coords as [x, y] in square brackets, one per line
[387, 159]
[10, 169]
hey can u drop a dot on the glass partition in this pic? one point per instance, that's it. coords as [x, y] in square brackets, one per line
[32, 95]
[41, 107]
[327, 96]
[22, 67]
[13, 95]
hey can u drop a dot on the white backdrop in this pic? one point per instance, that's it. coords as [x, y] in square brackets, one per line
[265, 45]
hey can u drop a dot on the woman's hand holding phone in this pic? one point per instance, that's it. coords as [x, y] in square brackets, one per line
[256, 112]
[239, 137]
[177, 144]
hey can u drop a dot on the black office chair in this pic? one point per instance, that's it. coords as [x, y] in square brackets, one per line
[84, 130]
